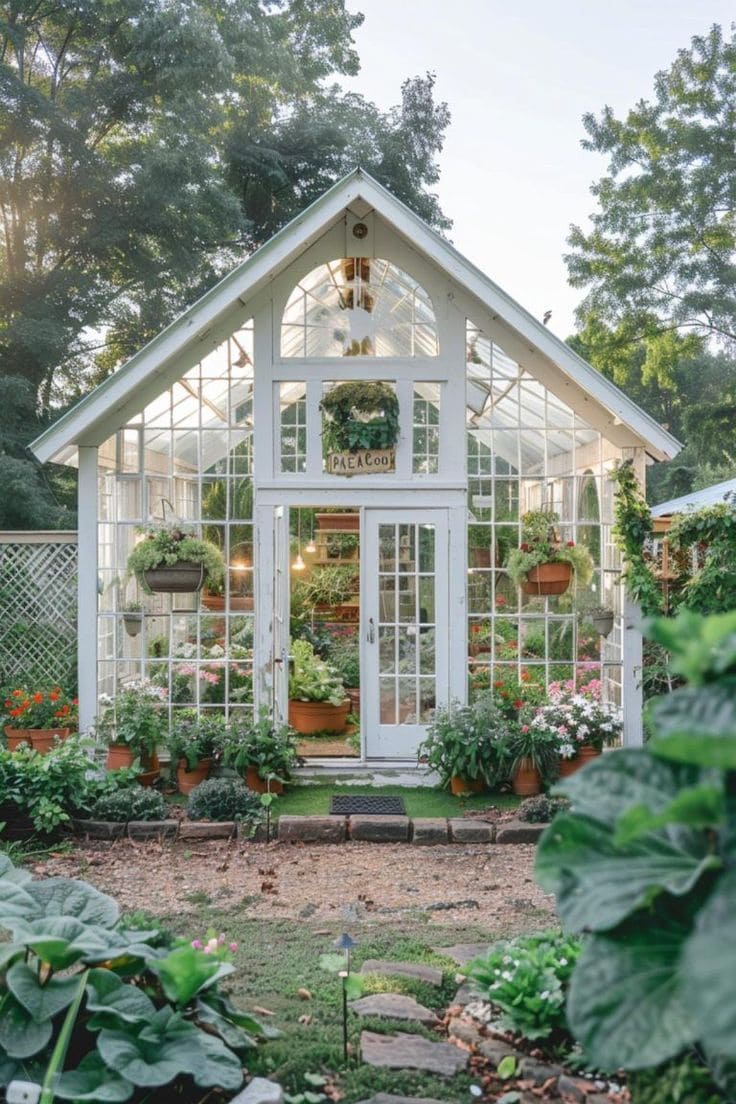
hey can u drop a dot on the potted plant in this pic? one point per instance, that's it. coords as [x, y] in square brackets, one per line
[360, 417]
[172, 559]
[317, 701]
[464, 745]
[264, 752]
[533, 756]
[193, 742]
[39, 717]
[338, 521]
[341, 546]
[133, 726]
[580, 723]
[481, 636]
[133, 618]
[39, 793]
[344, 657]
[542, 564]
[601, 618]
[480, 540]
[328, 589]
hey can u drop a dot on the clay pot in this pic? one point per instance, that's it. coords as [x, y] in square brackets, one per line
[119, 755]
[344, 523]
[260, 785]
[481, 557]
[460, 786]
[150, 772]
[41, 740]
[186, 780]
[584, 755]
[526, 781]
[353, 694]
[548, 578]
[184, 577]
[217, 602]
[310, 717]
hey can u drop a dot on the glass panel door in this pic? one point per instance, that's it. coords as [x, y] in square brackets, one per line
[405, 611]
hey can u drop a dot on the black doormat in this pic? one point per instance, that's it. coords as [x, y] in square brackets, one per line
[374, 804]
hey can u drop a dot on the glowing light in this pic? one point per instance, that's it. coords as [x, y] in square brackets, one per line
[311, 547]
[298, 564]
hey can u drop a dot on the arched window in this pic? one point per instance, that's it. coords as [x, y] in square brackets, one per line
[358, 306]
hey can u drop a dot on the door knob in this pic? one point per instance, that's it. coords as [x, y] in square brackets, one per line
[371, 631]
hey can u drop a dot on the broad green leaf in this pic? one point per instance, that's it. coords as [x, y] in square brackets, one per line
[697, 724]
[625, 1005]
[710, 980]
[216, 1065]
[42, 1002]
[53, 940]
[70, 897]
[20, 1035]
[598, 884]
[9, 952]
[11, 873]
[221, 1003]
[152, 1055]
[185, 971]
[15, 902]
[702, 647]
[506, 1067]
[697, 806]
[93, 1081]
[107, 993]
[229, 1032]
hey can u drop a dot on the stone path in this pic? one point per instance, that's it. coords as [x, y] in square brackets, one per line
[463, 953]
[394, 1006]
[411, 1052]
[415, 970]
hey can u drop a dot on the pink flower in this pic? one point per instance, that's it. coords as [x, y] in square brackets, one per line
[197, 944]
[525, 728]
[233, 948]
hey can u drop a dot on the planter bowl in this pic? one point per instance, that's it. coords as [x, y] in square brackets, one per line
[603, 623]
[460, 786]
[344, 523]
[548, 578]
[260, 785]
[217, 603]
[310, 717]
[584, 755]
[184, 577]
[133, 623]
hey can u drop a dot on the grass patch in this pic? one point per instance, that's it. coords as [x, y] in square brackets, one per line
[419, 801]
[276, 959]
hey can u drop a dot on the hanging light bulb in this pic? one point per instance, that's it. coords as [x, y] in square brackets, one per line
[298, 564]
[311, 547]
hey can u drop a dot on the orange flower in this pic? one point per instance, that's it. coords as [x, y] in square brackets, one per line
[38, 698]
[53, 696]
[17, 693]
[15, 712]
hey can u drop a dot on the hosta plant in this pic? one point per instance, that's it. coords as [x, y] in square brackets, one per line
[527, 979]
[140, 1012]
[645, 863]
[311, 678]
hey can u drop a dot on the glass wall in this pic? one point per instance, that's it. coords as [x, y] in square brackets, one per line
[527, 450]
[188, 457]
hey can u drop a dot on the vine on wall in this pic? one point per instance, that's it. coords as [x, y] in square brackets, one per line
[632, 529]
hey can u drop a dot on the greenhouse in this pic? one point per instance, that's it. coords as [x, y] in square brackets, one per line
[370, 437]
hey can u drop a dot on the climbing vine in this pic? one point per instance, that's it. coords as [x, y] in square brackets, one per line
[712, 532]
[360, 415]
[632, 529]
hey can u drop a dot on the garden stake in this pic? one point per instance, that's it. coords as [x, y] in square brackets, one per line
[343, 975]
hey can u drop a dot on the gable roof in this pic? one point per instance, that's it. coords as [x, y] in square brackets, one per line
[708, 496]
[93, 418]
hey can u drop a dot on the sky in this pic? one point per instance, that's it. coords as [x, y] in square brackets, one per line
[518, 78]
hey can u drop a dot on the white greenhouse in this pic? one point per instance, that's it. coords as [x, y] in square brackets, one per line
[398, 554]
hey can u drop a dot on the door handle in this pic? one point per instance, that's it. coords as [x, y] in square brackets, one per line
[371, 635]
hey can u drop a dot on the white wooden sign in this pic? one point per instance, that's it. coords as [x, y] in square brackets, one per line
[363, 462]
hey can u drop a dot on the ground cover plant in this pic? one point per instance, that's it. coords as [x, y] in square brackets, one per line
[644, 862]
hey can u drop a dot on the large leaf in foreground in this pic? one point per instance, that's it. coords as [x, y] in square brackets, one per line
[216, 1065]
[697, 724]
[599, 884]
[625, 1004]
[108, 995]
[69, 897]
[42, 1002]
[20, 1035]
[93, 1081]
[709, 968]
[154, 1055]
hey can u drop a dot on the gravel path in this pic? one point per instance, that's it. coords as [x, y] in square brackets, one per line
[492, 886]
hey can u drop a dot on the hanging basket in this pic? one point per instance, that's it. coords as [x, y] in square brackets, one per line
[602, 623]
[133, 623]
[548, 578]
[185, 577]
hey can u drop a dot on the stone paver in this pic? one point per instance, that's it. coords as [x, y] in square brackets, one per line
[260, 1091]
[380, 829]
[429, 831]
[393, 1006]
[538, 1072]
[197, 830]
[466, 994]
[519, 831]
[417, 970]
[311, 829]
[152, 829]
[411, 1052]
[99, 829]
[491, 1047]
[470, 831]
[389, 1098]
[463, 953]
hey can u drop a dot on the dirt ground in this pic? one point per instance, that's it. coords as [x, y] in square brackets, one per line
[492, 886]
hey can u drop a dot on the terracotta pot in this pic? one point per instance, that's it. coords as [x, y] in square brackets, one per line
[184, 577]
[217, 602]
[548, 578]
[353, 694]
[41, 739]
[311, 717]
[344, 523]
[260, 785]
[459, 785]
[584, 755]
[119, 755]
[150, 772]
[186, 780]
[526, 781]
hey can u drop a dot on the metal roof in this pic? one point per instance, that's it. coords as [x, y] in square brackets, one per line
[708, 496]
[127, 389]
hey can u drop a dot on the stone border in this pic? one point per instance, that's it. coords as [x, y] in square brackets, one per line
[422, 831]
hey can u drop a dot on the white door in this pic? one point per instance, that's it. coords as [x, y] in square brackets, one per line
[405, 627]
[280, 613]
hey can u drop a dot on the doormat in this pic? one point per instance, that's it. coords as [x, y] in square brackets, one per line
[373, 804]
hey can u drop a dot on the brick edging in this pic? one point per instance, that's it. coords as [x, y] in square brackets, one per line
[420, 831]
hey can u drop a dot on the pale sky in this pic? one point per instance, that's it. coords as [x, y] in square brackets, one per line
[518, 77]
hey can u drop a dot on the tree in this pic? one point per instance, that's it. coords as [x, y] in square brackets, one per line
[661, 253]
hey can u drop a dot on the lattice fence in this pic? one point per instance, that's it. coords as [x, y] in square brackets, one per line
[38, 608]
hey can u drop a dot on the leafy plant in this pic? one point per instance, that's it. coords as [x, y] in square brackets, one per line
[341, 545]
[541, 809]
[311, 678]
[539, 545]
[644, 861]
[331, 585]
[360, 415]
[528, 978]
[166, 545]
[685, 1080]
[46, 788]
[575, 720]
[631, 532]
[195, 736]
[143, 1015]
[223, 799]
[130, 803]
[262, 744]
[712, 588]
[344, 657]
[137, 717]
[466, 741]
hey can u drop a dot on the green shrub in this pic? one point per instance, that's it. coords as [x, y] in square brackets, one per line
[47, 788]
[263, 744]
[311, 679]
[140, 1015]
[131, 803]
[466, 741]
[223, 799]
[541, 809]
[645, 862]
[527, 978]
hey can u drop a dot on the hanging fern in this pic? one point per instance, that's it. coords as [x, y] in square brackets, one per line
[632, 528]
[360, 415]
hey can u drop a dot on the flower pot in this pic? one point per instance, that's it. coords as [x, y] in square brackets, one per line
[186, 779]
[585, 753]
[150, 772]
[344, 523]
[460, 785]
[119, 755]
[526, 781]
[133, 623]
[309, 717]
[548, 578]
[217, 603]
[260, 785]
[353, 693]
[41, 740]
[602, 623]
[184, 577]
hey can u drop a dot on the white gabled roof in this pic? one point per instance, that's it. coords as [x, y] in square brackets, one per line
[89, 421]
[708, 496]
